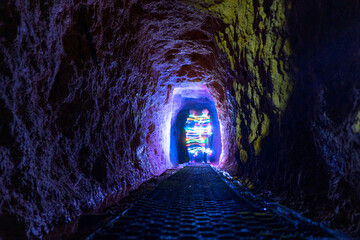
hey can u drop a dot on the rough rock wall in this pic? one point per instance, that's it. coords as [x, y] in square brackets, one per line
[326, 73]
[296, 67]
[85, 90]
[74, 126]
[258, 48]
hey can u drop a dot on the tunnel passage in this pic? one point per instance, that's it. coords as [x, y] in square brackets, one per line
[178, 149]
[87, 88]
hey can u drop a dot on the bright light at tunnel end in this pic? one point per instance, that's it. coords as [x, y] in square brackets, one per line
[189, 90]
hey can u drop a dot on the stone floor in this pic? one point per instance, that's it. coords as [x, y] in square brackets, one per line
[197, 202]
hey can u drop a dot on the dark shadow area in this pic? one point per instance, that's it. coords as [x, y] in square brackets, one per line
[178, 151]
[313, 146]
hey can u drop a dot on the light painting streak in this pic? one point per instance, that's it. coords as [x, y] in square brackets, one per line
[198, 130]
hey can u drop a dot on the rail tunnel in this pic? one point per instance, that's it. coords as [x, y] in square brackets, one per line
[94, 97]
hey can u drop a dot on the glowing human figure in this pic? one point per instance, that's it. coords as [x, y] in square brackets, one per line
[198, 130]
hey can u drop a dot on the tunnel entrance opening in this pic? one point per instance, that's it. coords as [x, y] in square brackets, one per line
[178, 150]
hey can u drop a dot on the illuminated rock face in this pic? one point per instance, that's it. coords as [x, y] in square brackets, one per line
[88, 92]
[297, 85]
[86, 100]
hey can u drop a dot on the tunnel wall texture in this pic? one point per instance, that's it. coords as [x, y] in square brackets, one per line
[297, 72]
[85, 90]
[76, 110]
[86, 96]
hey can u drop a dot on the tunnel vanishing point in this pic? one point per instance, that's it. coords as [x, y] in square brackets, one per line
[94, 95]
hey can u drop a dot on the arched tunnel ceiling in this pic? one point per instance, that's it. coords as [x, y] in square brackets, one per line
[178, 42]
[101, 78]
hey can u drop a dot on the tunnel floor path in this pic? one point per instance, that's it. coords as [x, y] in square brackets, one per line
[198, 203]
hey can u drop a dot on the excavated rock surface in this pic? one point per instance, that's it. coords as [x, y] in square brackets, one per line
[297, 70]
[86, 90]
[326, 73]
